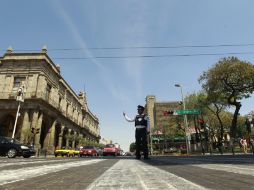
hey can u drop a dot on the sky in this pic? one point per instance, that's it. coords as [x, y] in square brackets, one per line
[128, 31]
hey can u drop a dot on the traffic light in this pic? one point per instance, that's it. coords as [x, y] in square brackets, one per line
[32, 130]
[170, 112]
[37, 130]
[20, 94]
[201, 123]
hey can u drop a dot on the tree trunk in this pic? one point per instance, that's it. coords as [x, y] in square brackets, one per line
[200, 136]
[234, 124]
[221, 133]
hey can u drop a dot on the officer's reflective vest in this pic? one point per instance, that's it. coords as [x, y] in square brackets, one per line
[141, 120]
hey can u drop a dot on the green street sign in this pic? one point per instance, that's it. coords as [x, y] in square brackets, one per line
[188, 112]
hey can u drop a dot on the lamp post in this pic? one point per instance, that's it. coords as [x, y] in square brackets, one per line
[185, 121]
[19, 98]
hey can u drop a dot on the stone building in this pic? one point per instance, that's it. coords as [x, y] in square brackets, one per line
[51, 110]
[161, 123]
[105, 141]
[156, 111]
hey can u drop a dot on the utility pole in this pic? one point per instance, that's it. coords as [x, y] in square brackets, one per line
[185, 121]
[19, 99]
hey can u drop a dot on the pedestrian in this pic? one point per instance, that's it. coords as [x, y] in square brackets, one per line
[244, 144]
[142, 125]
[252, 145]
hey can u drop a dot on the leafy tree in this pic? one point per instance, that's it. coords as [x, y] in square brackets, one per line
[213, 103]
[132, 147]
[230, 80]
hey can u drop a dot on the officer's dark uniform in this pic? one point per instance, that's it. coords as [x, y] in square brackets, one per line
[141, 135]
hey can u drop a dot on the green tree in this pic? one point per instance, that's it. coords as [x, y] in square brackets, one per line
[211, 102]
[231, 80]
[132, 147]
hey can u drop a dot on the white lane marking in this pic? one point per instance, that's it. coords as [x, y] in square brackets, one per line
[10, 176]
[29, 162]
[133, 174]
[238, 169]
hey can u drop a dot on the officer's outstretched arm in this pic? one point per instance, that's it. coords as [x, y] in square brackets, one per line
[127, 118]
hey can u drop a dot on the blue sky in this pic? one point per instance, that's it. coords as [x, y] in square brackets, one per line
[117, 85]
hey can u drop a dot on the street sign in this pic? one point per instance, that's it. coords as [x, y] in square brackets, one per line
[188, 112]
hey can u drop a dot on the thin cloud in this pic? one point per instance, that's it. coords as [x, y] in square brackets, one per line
[136, 33]
[104, 72]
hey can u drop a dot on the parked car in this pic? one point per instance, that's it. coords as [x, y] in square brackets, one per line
[64, 152]
[111, 149]
[76, 152]
[88, 151]
[11, 147]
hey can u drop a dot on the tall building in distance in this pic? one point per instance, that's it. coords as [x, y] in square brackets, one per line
[156, 111]
[51, 112]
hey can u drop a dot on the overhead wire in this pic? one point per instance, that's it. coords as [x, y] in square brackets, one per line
[153, 56]
[145, 47]
[140, 47]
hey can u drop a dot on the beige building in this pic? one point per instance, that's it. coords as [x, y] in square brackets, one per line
[105, 141]
[51, 108]
[156, 111]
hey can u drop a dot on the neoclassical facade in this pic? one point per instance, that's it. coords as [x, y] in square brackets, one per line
[52, 110]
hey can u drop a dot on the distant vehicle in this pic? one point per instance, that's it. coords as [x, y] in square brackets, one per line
[99, 152]
[12, 148]
[118, 148]
[64, 152]
[128, 154]
[76, 152]
[88, 151]
[170, 150]
[111, 149]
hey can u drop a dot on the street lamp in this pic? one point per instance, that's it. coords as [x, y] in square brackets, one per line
[19, 98]
[185, 121]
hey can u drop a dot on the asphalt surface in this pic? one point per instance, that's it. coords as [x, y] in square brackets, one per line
[175, 172]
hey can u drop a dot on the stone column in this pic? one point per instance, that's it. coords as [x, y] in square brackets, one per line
[51, 138]
[60, 139]
[38, 135]
[67, 140]
[74, 140]
[34, 119]
[26, 135]
[80, 136]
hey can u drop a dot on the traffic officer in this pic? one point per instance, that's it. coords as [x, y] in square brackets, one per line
[142, 125]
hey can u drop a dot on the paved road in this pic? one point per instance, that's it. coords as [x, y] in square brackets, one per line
[208, 172]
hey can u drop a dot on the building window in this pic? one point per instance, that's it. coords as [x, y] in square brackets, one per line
[17, 83]
[48, 89]
[67, 108]
[59, 102]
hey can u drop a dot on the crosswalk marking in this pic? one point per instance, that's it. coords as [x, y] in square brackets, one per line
[10, 176]
[238, 169]
[133, 174]
[28, 162]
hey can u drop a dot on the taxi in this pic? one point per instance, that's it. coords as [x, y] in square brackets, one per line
[65, 152]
